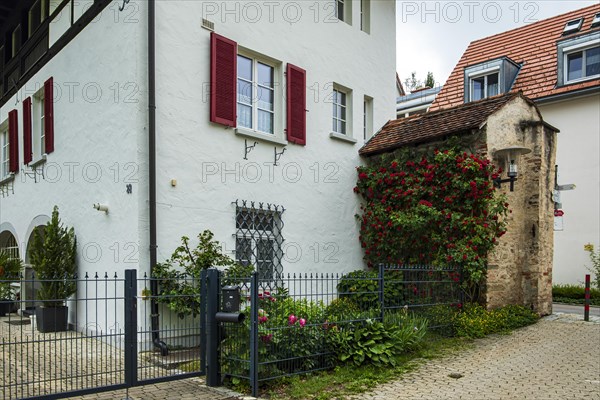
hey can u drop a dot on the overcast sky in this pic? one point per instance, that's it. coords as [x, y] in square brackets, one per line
[432, 35]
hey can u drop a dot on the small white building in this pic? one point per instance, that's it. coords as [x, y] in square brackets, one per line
[259, 112]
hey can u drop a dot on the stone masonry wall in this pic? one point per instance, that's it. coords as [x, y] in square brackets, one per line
[520, 268]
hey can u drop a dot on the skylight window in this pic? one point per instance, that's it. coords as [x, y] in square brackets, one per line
[596, 20]
[573, 26]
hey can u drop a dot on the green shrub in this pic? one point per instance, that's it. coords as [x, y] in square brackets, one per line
[10, 270]
[595, 267]
[362, 288]
[54, 261]
[442, 318]
[179, 276]
[341, 309]
[476, 322]
[573, 292]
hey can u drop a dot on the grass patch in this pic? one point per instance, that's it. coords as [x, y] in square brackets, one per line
[348, 379]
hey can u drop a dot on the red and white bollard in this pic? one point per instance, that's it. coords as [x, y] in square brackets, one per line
[586, 309]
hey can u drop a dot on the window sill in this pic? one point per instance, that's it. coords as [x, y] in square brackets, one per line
[265, 137]
[8, 178]
[342, 137]
[580, 80]
[36, 163]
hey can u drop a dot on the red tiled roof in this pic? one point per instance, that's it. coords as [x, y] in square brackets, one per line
[534, 46]
[434, 125]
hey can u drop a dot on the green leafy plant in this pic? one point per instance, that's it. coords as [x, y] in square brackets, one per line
[10, 269]
[436, 208]
[179, 277]
[53, 259]
[595, 259]
[375, 342]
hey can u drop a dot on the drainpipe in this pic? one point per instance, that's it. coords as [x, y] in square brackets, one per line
[152, 172]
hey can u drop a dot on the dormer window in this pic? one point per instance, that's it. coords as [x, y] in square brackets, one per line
[596, 20]
[489, 79]
[579, 59]
[484, 86]
[573, 26]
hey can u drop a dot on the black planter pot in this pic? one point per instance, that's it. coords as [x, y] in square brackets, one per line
[52, 319]
[6, 306]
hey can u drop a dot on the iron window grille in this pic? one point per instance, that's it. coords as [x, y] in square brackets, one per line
[259, 239]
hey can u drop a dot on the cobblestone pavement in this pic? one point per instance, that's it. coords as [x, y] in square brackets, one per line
[557, 358]
[186, 389]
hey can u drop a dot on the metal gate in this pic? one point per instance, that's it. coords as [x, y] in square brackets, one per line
[109, 341]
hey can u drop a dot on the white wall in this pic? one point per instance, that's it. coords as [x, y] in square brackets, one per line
[578, 163]
[320, 204]
[97, 128]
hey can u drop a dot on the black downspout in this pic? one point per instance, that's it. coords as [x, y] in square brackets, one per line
[152, 172]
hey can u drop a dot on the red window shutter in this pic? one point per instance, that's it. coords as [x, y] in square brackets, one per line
[13, 141]
[223, 80]
[49, 115]
[296, 104]
[27, 151]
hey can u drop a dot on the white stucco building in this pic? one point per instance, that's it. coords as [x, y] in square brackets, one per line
[297, 88]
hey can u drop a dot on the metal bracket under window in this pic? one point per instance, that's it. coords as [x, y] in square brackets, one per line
[34, 171]
[277, 155]
[248, 149]
[7, 187]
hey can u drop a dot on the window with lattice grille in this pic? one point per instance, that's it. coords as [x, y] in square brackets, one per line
[258, 239]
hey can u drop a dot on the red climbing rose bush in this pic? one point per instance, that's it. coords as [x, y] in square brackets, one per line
[439, 209]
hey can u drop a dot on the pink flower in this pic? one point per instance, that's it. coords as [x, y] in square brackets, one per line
[292, 319]
[262, 320]
[266, 338]
[302, 322]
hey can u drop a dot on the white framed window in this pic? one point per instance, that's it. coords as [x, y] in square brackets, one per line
[489, 78]
[341, 118]
[256, 103]
[578, 59]
[582, 64]
[38, 126]
[367, 117]
[483, 86]
[365, 16]
[4, 151]
[340, 111]
[343, 10]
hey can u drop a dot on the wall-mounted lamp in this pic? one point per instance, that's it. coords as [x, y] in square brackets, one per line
[101, 207]
[511, 156]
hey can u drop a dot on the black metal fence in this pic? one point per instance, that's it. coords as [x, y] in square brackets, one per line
[101, 339]
[288, 323]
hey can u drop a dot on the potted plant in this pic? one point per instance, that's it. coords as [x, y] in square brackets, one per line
[53, 259]
[10, 270]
